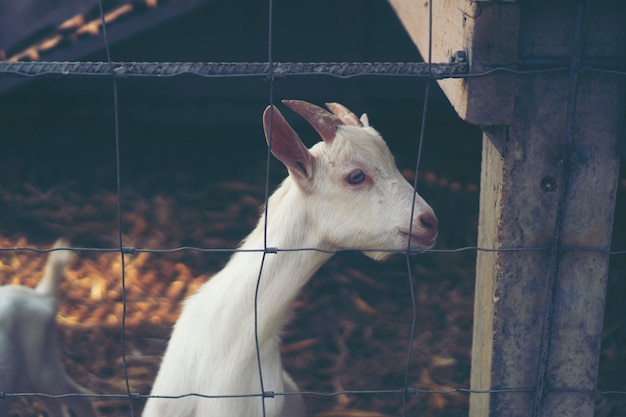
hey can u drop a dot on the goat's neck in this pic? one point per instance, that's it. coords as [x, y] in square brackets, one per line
[49, 284]
[284, 273]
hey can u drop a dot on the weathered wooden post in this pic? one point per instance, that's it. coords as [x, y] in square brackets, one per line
[548, 183]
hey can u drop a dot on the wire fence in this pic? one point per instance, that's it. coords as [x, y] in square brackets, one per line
[271, 70]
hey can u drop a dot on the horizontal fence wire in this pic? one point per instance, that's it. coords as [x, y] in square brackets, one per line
[276, 69]
[272, 394]
[130, 250]
[231, 69]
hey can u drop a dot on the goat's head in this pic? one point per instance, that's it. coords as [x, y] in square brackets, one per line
[350, 182]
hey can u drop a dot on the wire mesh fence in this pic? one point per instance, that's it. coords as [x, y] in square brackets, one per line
[272, 71]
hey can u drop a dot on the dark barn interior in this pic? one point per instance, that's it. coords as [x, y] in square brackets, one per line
[193, 164]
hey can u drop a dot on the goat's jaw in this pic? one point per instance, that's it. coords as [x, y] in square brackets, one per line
[419, 241]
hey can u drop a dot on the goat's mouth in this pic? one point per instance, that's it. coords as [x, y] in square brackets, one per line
[423, 241]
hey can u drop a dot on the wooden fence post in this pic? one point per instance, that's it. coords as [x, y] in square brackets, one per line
[520, 208]
[549, 178]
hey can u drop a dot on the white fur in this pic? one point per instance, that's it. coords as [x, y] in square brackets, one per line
[212, 349]
[29, 354]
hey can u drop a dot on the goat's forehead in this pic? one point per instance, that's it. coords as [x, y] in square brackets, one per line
[353, 143]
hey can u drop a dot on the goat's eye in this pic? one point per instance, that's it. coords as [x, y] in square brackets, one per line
[355, 177]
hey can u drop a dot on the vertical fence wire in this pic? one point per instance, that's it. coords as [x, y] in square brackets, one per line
[418, 159]
[266, 205]
[118, 182]
[556, 251]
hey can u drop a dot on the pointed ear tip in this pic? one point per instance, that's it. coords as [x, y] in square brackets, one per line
[267, 113]
[270, 109]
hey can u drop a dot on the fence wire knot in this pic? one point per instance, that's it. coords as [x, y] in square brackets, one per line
[271, 250]
[129, 250]
[268, 394]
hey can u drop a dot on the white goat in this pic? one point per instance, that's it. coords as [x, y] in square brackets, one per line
[29, 354]
[345, 192]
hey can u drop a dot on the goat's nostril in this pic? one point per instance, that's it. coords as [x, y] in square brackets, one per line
[428, 220]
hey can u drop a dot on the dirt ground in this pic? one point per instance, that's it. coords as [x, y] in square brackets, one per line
[352, 323]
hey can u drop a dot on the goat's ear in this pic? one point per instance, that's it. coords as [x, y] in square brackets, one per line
[324, 123]
[286, 145]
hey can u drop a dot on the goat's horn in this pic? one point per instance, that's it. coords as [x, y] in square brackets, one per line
[324, 122]
[344, 114]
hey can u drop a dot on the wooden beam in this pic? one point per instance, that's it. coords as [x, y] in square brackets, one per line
[487, 32]
[21, 19]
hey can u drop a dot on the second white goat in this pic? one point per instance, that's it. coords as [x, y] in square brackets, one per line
[29, 354]
[344, 192]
